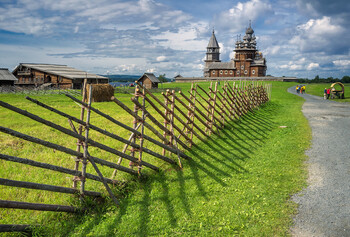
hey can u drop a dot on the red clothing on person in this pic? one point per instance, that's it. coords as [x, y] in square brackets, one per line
[328, 91]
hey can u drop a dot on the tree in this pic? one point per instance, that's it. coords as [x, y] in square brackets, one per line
[162, 78]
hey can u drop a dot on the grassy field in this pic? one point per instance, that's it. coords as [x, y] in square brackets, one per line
[238, 183]
[317, 89]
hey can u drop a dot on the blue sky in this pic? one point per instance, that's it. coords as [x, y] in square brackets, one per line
[301, 38]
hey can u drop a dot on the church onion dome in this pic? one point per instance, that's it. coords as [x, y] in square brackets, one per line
[249, 31]
[213, 43]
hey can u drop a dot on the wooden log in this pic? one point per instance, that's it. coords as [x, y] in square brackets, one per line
[168, 109]
[209, 112]
[142, 129]
[156, 122]
[232, 103]
[129, 128]
[71, 133]
[54, 168]
[223, 111]
[196, 109]
[124, 150]
[102, 131]
[168, 120]
[114, 199]
[38, 206]
[212, 107]
[63, 149]
[132, 113]
[188, 118]
[85, 144]
[223, 102]
[80, 131]
[46, 187]
[16, 228]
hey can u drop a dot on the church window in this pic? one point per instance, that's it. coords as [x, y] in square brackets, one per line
[245, 72]
[237, 72]
[242, 67]
[253, 72]
[231, 72]
[221, 71]
[226, 72]
[213, 72]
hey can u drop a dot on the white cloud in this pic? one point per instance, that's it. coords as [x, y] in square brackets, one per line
[312, 66]
[161, 59]
[342, 63]
[237, 18]
[186, 38]
[318, 35]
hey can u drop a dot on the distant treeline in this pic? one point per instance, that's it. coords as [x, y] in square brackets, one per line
[317, 79]
[122, 78]
[131, 78]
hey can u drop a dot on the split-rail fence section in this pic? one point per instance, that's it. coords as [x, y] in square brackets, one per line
[198, 113]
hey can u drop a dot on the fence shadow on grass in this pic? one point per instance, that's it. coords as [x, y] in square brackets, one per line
[174, 192]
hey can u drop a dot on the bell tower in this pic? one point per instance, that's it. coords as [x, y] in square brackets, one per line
[213, 53]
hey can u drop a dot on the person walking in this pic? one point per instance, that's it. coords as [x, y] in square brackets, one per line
[328, 93]
[303, 89]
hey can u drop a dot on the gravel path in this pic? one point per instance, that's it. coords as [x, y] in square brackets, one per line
[324, 206]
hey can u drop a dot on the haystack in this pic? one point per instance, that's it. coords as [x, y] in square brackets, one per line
[100, 92]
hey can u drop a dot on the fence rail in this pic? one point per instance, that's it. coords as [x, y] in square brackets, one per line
[184, 117]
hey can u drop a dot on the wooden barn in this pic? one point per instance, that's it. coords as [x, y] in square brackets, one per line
[149, 81]
[7, 78]
[53, 75]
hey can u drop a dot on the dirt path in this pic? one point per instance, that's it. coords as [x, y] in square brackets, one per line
[324, 206]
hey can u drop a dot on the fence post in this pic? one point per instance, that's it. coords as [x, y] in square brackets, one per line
[80, 130]
[134, 125]
[166, 113]
[191, 111]
[85, 143]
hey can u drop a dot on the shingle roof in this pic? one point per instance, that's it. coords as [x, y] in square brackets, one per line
[151, 76]
[222, 65]
[61, 70]
[6, 75]
[213, 43]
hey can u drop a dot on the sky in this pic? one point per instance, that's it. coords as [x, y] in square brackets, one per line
[301, 38]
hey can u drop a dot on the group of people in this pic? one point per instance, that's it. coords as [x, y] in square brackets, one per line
[326, 93]
[300, 89]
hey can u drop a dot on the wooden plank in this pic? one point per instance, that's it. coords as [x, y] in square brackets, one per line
[46, 187]
[54, 168]
[38, 206]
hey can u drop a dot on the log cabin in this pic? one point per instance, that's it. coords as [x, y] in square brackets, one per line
[7, 78]
[53, 75]
[149, 81]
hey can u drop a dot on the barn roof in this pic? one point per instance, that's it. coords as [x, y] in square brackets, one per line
[150, 76]
[6, 75]
[60, 70]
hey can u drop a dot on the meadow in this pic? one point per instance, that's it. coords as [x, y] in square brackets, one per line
[318, 89]
[238, 183]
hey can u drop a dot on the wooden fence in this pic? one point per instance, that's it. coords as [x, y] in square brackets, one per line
[198, 114]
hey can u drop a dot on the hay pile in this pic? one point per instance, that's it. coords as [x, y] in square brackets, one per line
[100, 92]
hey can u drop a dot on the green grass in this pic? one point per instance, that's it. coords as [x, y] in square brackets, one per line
[238, 183]
[318, 89]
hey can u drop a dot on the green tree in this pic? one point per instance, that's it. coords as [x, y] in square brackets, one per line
[162, 78]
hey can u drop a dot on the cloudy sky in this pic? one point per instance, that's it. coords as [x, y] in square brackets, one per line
[302, 38]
